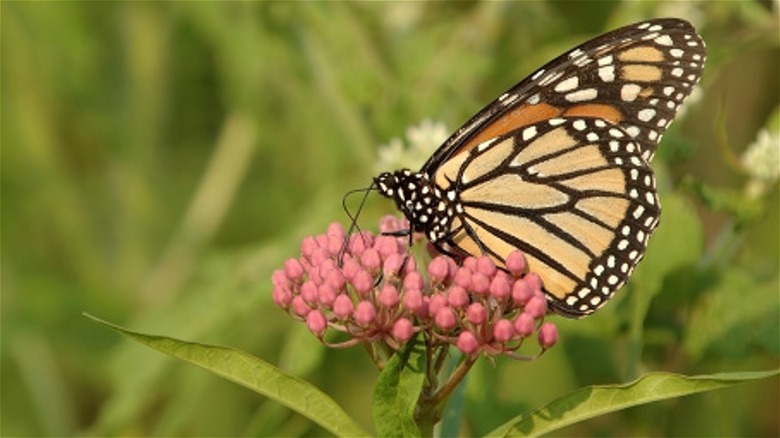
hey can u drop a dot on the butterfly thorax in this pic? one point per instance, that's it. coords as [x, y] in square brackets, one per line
[429, 209]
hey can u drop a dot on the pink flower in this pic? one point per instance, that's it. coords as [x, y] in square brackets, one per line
[548, 335]
[370, 288]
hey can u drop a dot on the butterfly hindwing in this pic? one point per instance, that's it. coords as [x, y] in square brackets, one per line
[574, 194]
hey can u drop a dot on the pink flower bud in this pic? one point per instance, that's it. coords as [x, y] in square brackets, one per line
[327, 265]
[278, 278]
[486, 266]
[521, 293]
[503, 331]
[370, 259]
[515, 262]
[358, 243]
[336, 244]
[438, 301]
[308, 245]
[524, 324]
[365, 313]
[342, 306]
[388, 296]
[327, 294]
[480, 283]
[534, 282]
[282, 296]
[457, 297]
[386, 245]
[299, 306]
[467, 342]
[350, 268]
[476, 313]
[470, 263]
[413, 300]
[335, 279]
[445, 318]
[392, 265]
[318, 255]
[463, 278]
[322, 241]
[548, 335]
[413, 280]
[293, 269]
[309, 292]
[438, 269]
[389, 224]
[316, 322]
[362, 282]
[402, 330]
[537, 306]
[499, 288]
[335, 229]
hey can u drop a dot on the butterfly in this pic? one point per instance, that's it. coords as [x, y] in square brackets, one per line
[558, 166]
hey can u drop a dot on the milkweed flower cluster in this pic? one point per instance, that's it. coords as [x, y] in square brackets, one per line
[371, 288]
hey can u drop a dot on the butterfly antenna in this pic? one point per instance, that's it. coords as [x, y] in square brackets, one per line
[353, 225]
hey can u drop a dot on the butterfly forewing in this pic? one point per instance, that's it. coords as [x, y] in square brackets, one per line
[636, 76]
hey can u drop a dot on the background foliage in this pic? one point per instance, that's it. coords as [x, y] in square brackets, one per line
[160, 160]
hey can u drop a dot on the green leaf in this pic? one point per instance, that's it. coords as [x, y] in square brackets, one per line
[255, 374]
[734, 317]
[731, 201]
[593, 401]
[397, 391]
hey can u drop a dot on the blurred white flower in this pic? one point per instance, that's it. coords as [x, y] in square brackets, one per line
[421, 141]
[402, 16]
[761, 160]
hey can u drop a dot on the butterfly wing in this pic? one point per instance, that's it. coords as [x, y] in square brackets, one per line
[574, 194]
[636, 77]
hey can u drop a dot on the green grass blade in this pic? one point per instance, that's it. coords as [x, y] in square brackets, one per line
[255, 374]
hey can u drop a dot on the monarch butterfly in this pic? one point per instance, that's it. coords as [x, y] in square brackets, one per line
[558, 166]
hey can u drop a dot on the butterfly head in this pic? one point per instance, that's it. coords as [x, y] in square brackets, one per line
[428, 208]
[403, 187]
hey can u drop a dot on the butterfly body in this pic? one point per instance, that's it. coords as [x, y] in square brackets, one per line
[558, 166]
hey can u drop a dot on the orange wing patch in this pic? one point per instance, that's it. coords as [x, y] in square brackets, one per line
[529, 114]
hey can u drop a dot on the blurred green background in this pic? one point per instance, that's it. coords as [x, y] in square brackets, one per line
[159, 160]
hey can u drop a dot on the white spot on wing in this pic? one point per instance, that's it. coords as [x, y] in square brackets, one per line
[664, 40]
[607, 73]
[529, 133]
[582, 95]
[567, 84]
[629, 92]
[646, 114]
